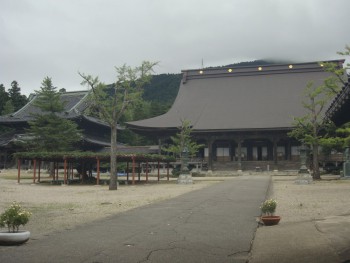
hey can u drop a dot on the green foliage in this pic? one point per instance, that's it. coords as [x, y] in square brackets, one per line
[48, 131]
[12, 100]
[14, 217]
[308, 128]
[336, 138]
[336, 141]
[17, 99]
[4, 97]
[75, 155]
[162, 89]
[48, 99]
[111, 102]
[53, 133]
[8, 108]
[345, 53]
[183, 140]
[269, 206]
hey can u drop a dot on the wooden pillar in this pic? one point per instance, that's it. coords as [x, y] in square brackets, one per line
[210, 154]
[239, 153]
[275, 154]
[159, 146]
[56, 171]
[65, 171]
[72, 171]
[98, 171]
[34, 171]
[146, 171]
[127, 171]
[289, 151]
[139, 171]
[39, 171]
[19, 170]
[275, 151]
[158, 171]
[167, 171]
[133, 170]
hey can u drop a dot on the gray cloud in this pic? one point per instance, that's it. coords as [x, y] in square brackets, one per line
[41, 38]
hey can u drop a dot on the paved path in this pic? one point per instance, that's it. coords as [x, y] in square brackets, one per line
[214, 224]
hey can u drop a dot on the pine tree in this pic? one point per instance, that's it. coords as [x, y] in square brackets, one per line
[49, 131]
[8, 108]
[183, 140]
[18, 100]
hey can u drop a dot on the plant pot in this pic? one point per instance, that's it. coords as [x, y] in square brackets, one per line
[14, 238]
[270, 220]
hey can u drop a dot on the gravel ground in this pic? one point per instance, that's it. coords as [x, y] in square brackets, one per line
[56, 207]
[320, 199]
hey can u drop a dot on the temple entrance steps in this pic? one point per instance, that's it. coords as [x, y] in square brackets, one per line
[256, 166]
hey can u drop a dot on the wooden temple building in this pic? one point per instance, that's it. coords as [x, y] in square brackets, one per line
[242, 114]
[96, 134]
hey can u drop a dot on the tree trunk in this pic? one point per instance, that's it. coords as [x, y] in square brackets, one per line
[52, 170]
[315, 165]
[113, 184]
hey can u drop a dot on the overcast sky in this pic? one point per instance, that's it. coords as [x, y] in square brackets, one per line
[58, 38]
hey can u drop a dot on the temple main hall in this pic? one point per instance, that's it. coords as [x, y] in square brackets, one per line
[242, 114]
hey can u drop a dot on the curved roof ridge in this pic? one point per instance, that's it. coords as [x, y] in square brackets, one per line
[75, 107]
[24, 107]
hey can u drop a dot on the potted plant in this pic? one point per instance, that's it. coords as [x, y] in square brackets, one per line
[268, 208]
[13, 217]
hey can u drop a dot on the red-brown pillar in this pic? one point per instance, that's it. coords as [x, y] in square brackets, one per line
[39, 171]
[146, 171]
[127, 172]
[19, 170]
[65, 171]
[158, 171]
[133, 170]
[139, 171]
[34, 171]
[98, 172]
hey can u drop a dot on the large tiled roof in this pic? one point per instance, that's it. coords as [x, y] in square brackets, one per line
[74, 106]
[235, 99]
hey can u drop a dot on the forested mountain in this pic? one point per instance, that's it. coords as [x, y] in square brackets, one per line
[163, 88]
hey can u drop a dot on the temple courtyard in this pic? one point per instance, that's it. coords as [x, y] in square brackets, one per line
[314, 226]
